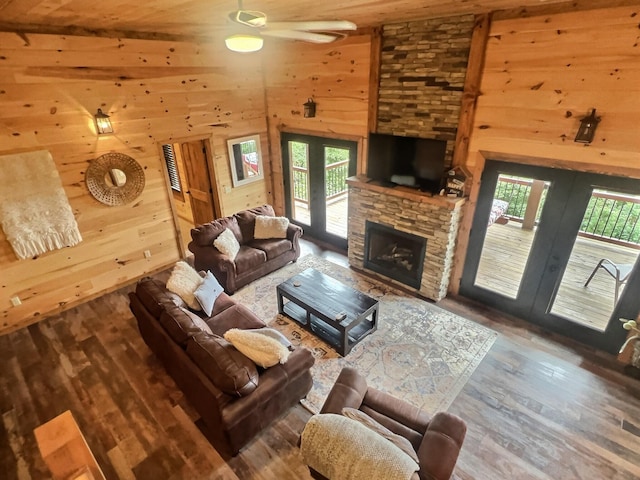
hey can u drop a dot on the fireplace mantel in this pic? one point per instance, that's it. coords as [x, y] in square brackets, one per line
[432, 217]
[406, 192]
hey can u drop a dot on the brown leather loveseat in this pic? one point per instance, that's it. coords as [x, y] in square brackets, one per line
[256, 257]
[235, 398]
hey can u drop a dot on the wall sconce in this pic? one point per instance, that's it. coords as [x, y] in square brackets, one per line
[310, 109]
[103, 124]
[243, 43]
[587, 129]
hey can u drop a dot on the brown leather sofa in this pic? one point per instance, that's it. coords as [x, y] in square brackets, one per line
[437, 440]
[255, 259]
[235, 399]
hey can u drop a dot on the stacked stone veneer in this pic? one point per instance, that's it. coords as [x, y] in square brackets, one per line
[422, 73]
[433, 218]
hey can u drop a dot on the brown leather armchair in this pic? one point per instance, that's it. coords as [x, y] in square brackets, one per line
[436, 439]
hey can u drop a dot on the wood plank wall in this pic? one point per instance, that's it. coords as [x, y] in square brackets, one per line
[541, 76]
[336, 76]
[155, 92]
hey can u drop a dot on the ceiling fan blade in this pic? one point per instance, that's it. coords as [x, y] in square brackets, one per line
[300, 35]
[321, 25]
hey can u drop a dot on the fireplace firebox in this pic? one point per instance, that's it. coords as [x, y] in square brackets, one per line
[393, 253]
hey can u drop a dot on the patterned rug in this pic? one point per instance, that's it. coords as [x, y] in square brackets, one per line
[420, 352]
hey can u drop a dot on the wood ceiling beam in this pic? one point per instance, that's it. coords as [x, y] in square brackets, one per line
[23, 29]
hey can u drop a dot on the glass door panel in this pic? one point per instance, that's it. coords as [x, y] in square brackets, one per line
[601, 260]
[336, 171]
[316, 193]
[511, 229]
[299, 157]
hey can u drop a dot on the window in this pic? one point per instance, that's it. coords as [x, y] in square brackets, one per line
[172, 170]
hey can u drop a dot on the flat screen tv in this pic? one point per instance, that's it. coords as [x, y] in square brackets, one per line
[411, 161]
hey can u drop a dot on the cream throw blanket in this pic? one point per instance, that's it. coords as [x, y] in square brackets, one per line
[35, 214]
[343, 449]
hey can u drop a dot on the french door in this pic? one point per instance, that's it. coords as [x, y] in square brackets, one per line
[316, 193]
[538, 242]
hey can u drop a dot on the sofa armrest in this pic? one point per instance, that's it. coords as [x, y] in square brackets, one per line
[210, 258]
[441, 446]
[294, 232]
[348, 391]
[271, 381]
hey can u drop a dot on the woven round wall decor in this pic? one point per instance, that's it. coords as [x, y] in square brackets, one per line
[115, 179]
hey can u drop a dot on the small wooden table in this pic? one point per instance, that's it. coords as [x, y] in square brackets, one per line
[338, 314]
[65, 451]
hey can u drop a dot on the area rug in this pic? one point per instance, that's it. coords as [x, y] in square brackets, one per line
[420, 352]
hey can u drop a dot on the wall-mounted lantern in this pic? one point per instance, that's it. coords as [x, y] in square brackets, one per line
[587, 129]
[310, 109]
[103, 124]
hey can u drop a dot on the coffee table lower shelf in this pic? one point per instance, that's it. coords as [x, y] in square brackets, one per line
[326, 332]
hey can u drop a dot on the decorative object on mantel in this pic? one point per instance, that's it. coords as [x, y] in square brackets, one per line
[35, 213]
[587, 129]
[103, 124]
[115, 179]
[310, 108]
[454, 183]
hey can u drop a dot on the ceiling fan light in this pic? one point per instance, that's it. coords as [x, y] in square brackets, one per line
[244, 43]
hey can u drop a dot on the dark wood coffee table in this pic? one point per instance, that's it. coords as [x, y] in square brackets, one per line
[338, 314]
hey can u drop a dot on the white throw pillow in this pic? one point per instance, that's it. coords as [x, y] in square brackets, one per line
[208, 292]
[184, 281]
[270, 227]
[227, 243]
[262, 349]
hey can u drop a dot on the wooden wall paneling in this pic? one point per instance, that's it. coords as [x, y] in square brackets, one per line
[337, 76]
[541, 75]
[50, 87]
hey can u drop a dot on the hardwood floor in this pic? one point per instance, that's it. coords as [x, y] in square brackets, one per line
[537, 407]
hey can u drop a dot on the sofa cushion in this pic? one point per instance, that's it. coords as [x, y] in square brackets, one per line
[184, 281]
[270, 227]
[247, 220]
[226, 367]
[204, 235]
[208, 292]
[179, 324]
[237, 316]
[227, 244]
[154, 296]
[248, 259]
[273, 248]
[264, 350]
[197, 321]
[223, 302]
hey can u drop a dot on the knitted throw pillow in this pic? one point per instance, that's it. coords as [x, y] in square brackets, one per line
[227, 243]
[184, 281]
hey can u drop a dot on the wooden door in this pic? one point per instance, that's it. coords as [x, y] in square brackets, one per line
[199, 183]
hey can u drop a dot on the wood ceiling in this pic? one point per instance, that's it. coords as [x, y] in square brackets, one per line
[209, 17]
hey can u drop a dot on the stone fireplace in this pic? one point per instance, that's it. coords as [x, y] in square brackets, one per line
[393, 253]
[406, 213]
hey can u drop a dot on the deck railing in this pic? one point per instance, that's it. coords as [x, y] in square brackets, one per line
[610, 217]
[335, 181]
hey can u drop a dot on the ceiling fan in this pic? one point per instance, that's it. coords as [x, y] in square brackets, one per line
[324, 31]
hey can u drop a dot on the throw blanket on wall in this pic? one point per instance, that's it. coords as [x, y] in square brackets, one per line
[35, 214]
